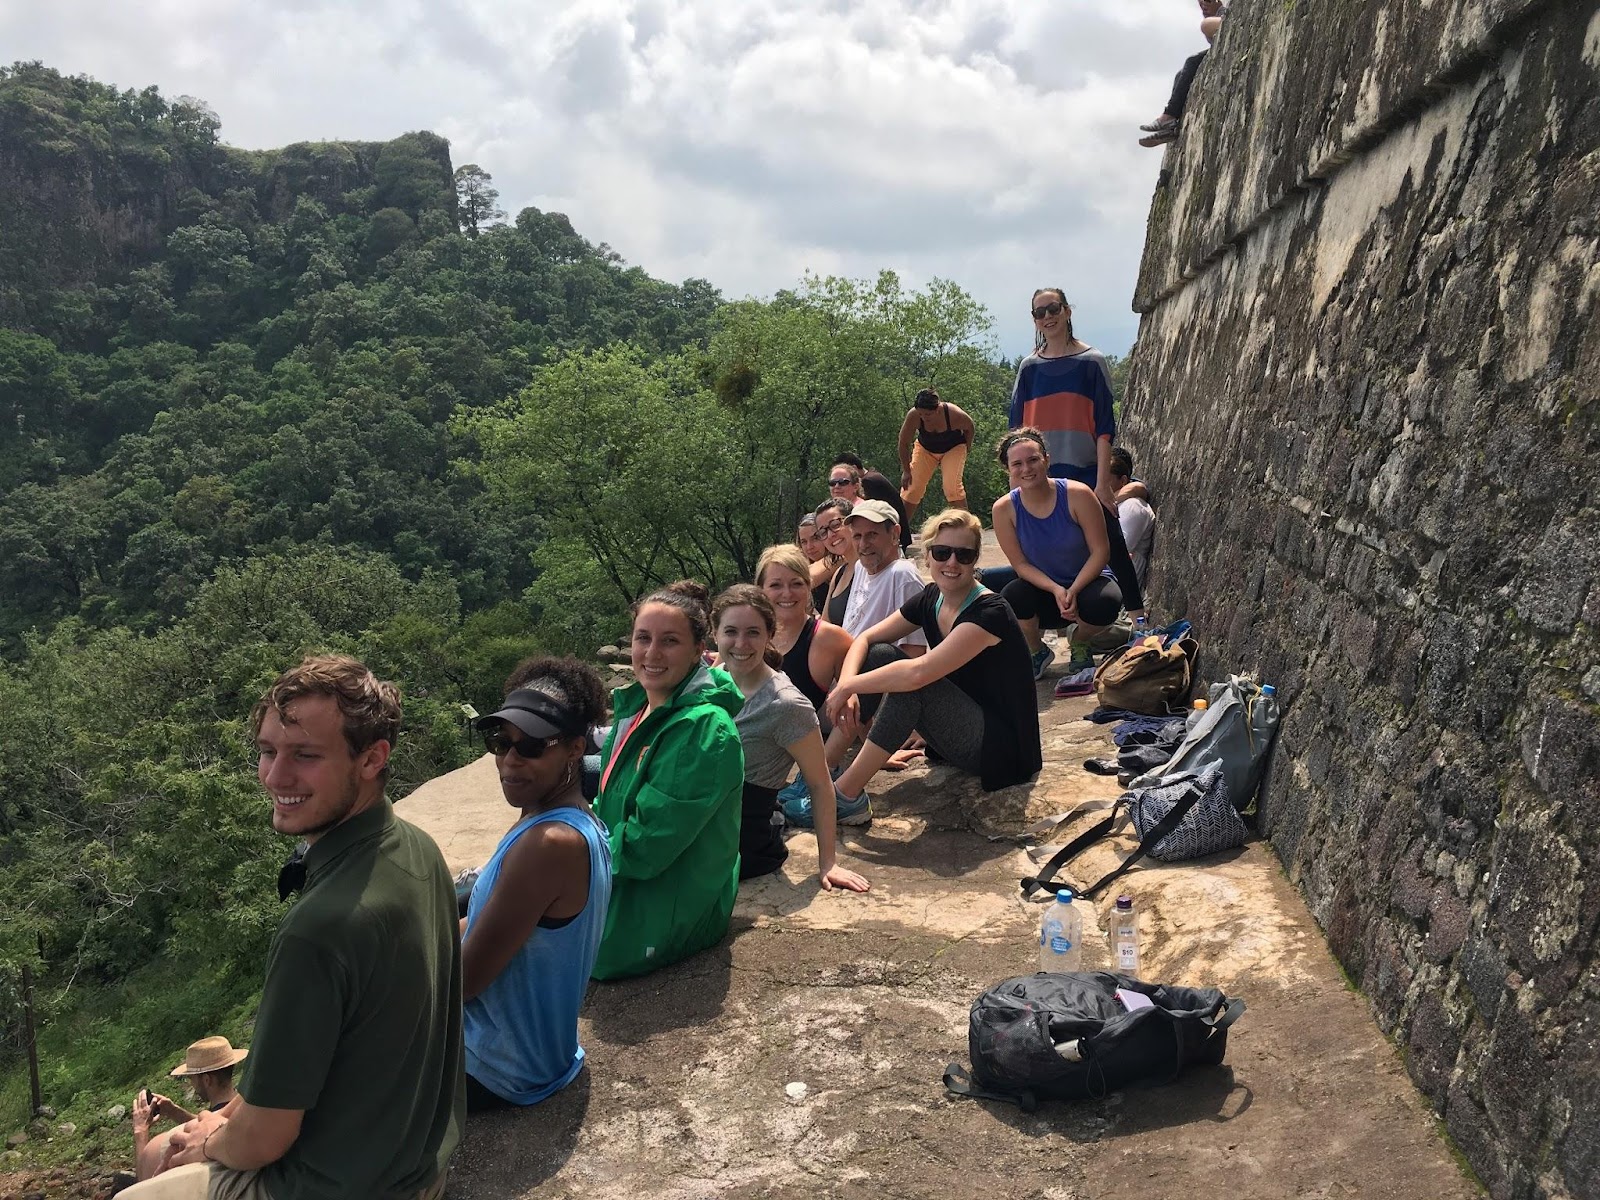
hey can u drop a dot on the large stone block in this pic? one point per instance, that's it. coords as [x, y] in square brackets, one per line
[1377, 241]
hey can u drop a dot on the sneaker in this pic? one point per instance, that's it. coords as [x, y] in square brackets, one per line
[1159, 139]
[1078, 683]
[1160, 125]
[795, 792]
[797, 812]
[1042, 658]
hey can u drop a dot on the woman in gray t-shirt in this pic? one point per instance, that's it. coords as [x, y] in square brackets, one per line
[779, 729]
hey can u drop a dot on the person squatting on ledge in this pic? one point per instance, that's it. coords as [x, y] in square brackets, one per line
[354, 1085]
[924, 450]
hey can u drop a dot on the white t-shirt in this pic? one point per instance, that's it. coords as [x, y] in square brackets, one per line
[874, 597]
[1138, 521]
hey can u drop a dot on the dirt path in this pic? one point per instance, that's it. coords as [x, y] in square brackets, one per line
[804, 1055]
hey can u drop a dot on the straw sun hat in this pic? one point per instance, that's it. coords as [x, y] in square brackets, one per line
[208, 1054]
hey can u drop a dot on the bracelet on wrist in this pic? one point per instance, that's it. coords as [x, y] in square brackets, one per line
[204, 1154]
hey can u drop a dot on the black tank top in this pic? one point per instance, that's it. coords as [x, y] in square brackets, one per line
[797, 666]
[941, 441]
[841, 601]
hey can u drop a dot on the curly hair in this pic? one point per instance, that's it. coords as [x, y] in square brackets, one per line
[369, 708]
[575, 685]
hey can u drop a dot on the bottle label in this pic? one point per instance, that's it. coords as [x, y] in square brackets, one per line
[1127, 956]
[1060, 944]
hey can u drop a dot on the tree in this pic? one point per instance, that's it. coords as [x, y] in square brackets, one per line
[476, 199]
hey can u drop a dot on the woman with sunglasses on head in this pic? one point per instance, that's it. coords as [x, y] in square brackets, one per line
[832, 596]
[1053, 533]
[971, 695]
[670, 791]
[779, 730]
[537, 910]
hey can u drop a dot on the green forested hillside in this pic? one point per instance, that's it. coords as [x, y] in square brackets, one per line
[257, 403]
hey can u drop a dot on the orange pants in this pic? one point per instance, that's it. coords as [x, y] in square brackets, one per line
[951, 465]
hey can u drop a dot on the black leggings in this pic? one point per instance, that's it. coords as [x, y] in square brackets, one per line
[1098, 604]
[1181, 83]
[761, 848]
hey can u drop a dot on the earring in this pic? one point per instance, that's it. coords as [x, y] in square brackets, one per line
[567, 778]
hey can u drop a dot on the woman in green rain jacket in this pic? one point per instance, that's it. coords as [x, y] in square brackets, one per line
[670, 791]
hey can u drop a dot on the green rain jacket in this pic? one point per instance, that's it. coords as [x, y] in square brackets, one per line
[672, 804]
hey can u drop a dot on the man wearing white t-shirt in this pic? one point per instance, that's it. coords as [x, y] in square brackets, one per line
[885, 580]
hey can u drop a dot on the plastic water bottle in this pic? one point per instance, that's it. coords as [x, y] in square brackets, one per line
[1060, 935]
[1125, 937]
[1195, 715]
[1141, 630]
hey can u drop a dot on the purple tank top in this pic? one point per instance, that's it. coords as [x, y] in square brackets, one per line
[1055, 544]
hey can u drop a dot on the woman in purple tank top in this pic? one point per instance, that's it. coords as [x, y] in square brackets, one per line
[1054, 535]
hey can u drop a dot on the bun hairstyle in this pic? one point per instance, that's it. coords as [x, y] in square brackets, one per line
[1026, 433]
[575, 685]
[748, 595]
[689, 598]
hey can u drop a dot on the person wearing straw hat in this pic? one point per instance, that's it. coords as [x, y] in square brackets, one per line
[207, 1068]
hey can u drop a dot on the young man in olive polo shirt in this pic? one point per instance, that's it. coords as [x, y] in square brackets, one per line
[354, 1085]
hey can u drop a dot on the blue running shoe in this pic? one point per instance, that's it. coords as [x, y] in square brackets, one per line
[850, 812]
[1042, 658]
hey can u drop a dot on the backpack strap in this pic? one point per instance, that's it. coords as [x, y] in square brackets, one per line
[958, 1081]
[1226, 1015]
[1147, 843]
[1034, 883]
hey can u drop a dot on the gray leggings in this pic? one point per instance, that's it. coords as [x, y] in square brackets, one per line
[947, 717]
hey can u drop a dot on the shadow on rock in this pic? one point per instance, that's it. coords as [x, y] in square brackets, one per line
[1202, 1094]
[686, 995]
[506, 1153]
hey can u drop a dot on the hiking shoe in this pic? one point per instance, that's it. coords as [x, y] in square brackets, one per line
[797, 812]
[1159, 139]
[1078, 683]
[795, 792]
[1042, 658]
[1161, 124]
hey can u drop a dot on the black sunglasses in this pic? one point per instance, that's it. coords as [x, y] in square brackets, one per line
[845, 482]
[965, 555]
[1047, 310]
[498, 741]
[826, 530]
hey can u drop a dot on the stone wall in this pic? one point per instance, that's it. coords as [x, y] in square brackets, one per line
[1365, 391]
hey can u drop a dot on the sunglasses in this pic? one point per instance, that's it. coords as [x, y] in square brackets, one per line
[965, 555]
[1047, 310]
[827, 530]
[498, 741]
[845, 482]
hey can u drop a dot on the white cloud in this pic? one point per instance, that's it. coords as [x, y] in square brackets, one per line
[991, 143]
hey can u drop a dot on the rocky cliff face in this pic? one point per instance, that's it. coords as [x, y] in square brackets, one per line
[1365, 389]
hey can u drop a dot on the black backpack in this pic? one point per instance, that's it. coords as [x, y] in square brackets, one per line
[1016, 1026]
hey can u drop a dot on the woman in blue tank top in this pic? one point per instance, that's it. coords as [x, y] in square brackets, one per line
[538, 908]
[1053, 533]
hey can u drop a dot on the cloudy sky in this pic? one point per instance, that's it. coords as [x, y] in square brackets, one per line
[987, 141]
